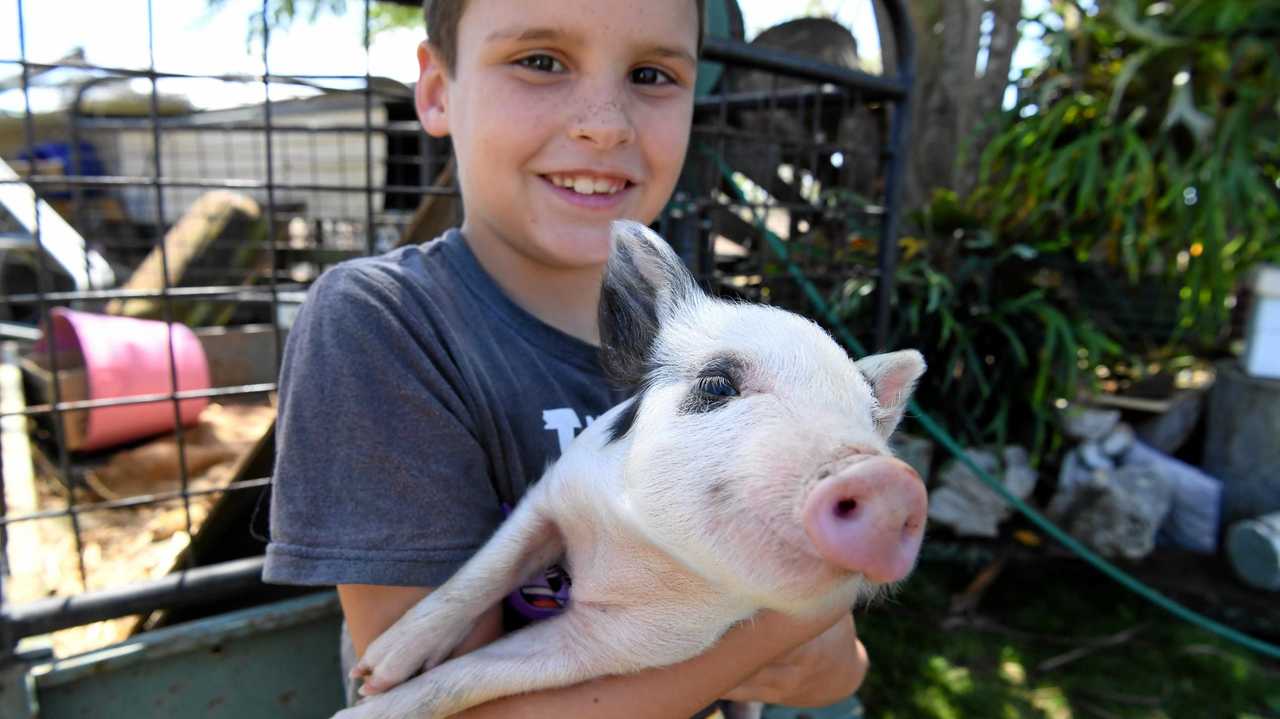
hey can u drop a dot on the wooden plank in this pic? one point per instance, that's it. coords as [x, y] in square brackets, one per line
[229, 221]
[27, 543]
[26, 581]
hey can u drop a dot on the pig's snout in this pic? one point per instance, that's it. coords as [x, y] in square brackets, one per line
[868, 517]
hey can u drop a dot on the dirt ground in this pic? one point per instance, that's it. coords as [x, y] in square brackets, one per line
[122, 545]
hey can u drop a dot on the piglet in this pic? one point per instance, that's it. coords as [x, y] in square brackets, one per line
[749, 471]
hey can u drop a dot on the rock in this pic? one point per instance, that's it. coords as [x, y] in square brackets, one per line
[1118, 441]
[1073, 474]
[1088, 424]
[1094, 457]
[965, 503]
[1116, 512]
[955, 510]
[1019, 477]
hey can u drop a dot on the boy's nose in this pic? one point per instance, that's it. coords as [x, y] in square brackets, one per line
[604, 124]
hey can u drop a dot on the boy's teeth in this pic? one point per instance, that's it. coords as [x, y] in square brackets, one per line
[587, 185]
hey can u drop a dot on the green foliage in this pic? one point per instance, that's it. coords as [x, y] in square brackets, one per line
[283, 13]
[1001, 347]
[1147, 147]
[387, 16]
[1119, 207]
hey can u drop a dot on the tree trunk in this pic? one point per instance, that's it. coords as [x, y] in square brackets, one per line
[990, 88]
[954, 106]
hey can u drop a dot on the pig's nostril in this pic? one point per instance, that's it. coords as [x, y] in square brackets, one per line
[846, 507]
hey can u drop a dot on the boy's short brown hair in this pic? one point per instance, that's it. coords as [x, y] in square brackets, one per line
[442, 18]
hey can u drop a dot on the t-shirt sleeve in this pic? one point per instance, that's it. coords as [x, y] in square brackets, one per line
[379, 475]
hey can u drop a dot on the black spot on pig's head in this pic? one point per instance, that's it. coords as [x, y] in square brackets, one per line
[623, 422]
[645, 284]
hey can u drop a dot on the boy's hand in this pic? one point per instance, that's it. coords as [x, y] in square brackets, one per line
[818, 672]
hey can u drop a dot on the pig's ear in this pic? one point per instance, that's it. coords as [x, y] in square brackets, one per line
[645, 283]
[892, 376]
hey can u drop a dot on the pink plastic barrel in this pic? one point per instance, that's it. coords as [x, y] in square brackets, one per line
[126, 357]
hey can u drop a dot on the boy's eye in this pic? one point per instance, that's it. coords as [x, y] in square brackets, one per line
[650, 76]
[541, 63]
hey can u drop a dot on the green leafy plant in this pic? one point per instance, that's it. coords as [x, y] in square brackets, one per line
[1002, 347]
[281, 14]
[1120, 205]
[1148, 148]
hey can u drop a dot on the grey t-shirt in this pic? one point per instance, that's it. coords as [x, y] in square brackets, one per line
[414, 398]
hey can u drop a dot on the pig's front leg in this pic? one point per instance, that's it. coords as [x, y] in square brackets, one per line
[527, 541]
[582, 644]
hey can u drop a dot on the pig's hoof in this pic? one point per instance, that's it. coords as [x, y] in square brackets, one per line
[387, 664]
[371, 684]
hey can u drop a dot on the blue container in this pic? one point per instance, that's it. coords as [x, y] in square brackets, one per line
[89, 165]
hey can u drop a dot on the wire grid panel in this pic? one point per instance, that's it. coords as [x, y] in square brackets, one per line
[799, 159]
[318, 158]
[126, 202]
[218, 220]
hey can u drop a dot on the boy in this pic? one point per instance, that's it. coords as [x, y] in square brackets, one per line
[423, 387]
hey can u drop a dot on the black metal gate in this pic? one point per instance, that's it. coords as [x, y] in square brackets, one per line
[219, 220]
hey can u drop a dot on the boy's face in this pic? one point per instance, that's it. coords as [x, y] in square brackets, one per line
[565, 115]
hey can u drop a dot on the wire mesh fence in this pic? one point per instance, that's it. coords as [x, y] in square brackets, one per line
[153, 254]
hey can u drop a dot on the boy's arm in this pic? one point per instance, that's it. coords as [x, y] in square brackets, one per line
[771, 658]
[371, 609]
[680, 690]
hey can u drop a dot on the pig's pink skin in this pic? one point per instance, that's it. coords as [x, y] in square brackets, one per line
[868, 518]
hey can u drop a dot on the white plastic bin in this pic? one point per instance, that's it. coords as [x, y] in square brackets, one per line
[1262, 339]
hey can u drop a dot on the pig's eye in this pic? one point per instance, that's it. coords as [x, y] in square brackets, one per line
[708, 393]
[718, 387]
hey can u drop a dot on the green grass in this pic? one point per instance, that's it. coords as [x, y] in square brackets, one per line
[1029, 649]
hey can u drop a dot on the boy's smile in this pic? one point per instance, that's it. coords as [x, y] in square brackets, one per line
[600, 190]
[564, 116]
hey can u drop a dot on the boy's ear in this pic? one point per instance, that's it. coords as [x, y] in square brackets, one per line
[429, 94]
[645, 285]
[893, 378]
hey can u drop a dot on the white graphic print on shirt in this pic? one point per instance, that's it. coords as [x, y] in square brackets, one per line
[563, 421]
